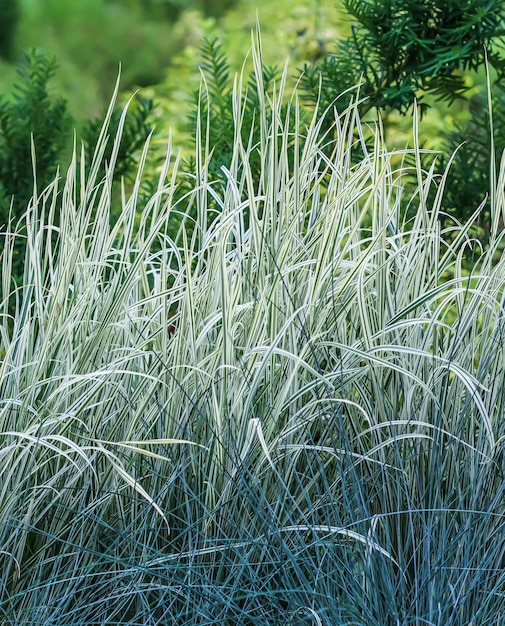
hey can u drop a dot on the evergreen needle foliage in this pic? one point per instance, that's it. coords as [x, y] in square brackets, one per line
[403, 49]
[212, 114]
[289, 415]
[476, 142]
[35, 129]
[31, 116]
[134, 132]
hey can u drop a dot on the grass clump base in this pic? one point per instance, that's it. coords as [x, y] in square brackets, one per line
[290, 413]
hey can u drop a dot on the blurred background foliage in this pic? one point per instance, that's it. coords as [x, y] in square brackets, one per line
[160, 47]
[157, 43]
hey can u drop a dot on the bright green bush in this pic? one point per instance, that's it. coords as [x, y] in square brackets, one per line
[290, 417]
[296, 29]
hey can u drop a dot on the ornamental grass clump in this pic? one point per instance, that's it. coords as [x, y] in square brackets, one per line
[292, 413]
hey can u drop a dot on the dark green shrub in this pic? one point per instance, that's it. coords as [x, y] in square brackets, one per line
[9, 17]
[469, 176]
[170, 9]
[404, 49]
[137, 126]
[214, 104]
[30, 113]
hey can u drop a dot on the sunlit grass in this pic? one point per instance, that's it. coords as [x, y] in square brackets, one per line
[284, 415]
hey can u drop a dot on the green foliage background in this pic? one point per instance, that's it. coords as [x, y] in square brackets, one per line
[9, 16]
[92, 38]
[158, 44]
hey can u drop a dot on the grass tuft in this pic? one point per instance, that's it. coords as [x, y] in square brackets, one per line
[291, 413]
